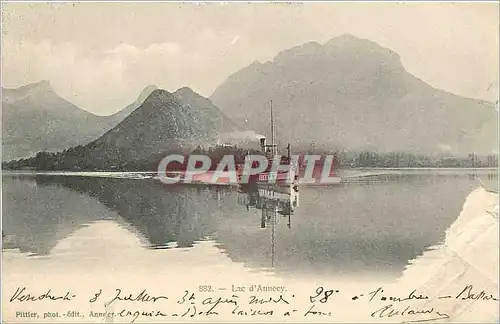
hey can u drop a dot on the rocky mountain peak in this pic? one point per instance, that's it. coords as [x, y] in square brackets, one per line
[357, 95]
[145, 93]
[184, 91]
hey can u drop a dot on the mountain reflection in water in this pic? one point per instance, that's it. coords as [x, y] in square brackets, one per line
[353, 228]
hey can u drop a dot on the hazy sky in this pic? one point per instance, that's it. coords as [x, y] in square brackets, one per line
[101, 55]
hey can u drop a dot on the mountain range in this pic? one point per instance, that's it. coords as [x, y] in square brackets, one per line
[35, 118]
[351, 93]
[347, 93]
[164, 123]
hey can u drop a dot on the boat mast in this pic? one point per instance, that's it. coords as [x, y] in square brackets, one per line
[273, 148]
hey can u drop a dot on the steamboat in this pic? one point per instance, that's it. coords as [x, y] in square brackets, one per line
[284, 179]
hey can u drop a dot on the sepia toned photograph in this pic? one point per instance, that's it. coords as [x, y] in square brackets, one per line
[250, 162]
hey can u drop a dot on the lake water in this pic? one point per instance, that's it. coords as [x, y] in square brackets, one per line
[358, 229]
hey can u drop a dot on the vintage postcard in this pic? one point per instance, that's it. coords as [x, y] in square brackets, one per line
[250, 162]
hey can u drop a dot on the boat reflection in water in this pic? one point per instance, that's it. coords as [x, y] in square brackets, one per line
[274, 205]
[271, 202]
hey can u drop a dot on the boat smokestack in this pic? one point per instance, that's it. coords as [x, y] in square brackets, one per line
[263, 144]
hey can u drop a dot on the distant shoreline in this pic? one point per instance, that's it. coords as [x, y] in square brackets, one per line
[407, 170]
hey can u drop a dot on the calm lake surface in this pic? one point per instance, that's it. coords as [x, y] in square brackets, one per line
[357, 228]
